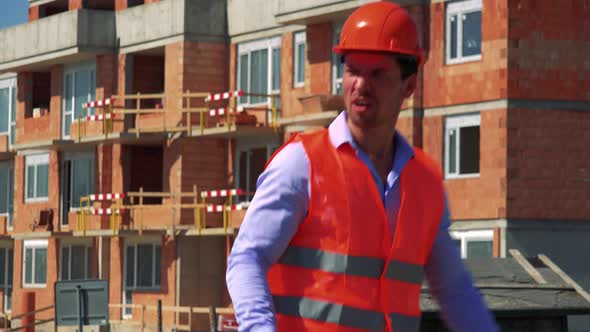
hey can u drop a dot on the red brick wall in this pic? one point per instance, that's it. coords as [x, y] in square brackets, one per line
[411, 128]
[548, 58]
[74, 4]
[473, 81]
[205, 66]
[465, 195]
[289, 94]
[319, 57]
[106, 76]
[33, 13]
[148, 74]
[548, 164]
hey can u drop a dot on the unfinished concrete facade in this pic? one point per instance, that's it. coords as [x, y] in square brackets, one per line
[502, 104]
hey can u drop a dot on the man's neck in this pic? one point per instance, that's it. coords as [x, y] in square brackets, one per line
[377, 143]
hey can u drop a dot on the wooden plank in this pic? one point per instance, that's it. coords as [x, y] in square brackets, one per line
[565, 277]
[527, 266]
[33, 312]
[225, 311]
[142, 96]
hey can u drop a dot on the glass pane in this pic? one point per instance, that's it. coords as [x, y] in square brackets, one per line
[42, 180]
[4, 109]
[78, 262]
[28, 265]
[469, 154]
[65, 263]
[452, 151]
[276, 69]
[67, 124]
[453, 36]
[30, 181]
[479, 249]
[336, 59]
[69, 91]
[145, 265]
[80, 180]
[8, 296]
[40, 265]
[10, 266]
[158, 266]
[243, 79]
[2, 266]
[128, 300]
[130, 273]
[300, 63]
[259, 75]
[82, 90]
[13, 106]
[472, 33]
[4, 196]
[89, 263]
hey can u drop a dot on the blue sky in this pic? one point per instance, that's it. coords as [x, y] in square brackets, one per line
[13, 12]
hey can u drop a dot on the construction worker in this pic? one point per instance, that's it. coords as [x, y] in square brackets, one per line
[347, 221]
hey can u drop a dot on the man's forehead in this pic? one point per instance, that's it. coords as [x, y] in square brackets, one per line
[369, 59]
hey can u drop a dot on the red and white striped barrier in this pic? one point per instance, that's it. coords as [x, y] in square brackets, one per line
[219, 208]
[225, 110]
[107, 197]
[224, 95]
[98, 117]
[222, 193]
[107, 212]
[98, 103]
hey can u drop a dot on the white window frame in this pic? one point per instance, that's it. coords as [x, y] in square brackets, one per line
[336, 29]
[468, 236]
[9, 169]
[72, 70]
[459, 9]
[299, 38]
[9, 252]
[87, 256]
[247, 48]
[36, 160]
[33, 244]
[10, 84]
[245, 145]
[155, 242]
[457, 122]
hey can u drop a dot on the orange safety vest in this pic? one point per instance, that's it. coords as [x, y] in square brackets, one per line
[341, 271]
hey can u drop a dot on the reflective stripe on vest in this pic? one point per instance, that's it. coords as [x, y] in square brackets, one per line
[361, 266]
[343, 315]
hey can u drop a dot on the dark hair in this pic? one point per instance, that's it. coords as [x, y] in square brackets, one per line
[408, 64]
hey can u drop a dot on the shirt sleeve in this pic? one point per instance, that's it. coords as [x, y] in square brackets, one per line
[462, 306]
[272, 219]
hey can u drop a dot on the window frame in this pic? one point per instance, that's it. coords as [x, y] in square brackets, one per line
[34, 244]
[36, 160]
[336, 62]
[268, 44]
[73, 70]
[9, 167]
[460, 8]
[10, 84]
[472, 235]
[87, 256]
[135, 242]
[299, 38]
[247, 146]
[458, 122]
[72, 158]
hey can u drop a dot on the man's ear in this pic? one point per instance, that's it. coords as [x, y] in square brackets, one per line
[410, 85]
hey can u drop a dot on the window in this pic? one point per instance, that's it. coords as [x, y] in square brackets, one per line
[142, 269]
[475, 244]
[299, 59]
[77, 180]
[80, 87]
[463, 31]
[259, 69]
[35, 263]
[8, 108]
[6, 269]
[7, 192]
[337, 65]
[37, 178]
[75, 261]
[250, 159]
[462, 146]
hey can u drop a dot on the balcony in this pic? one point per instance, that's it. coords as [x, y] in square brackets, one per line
[248, 16]
[61, 38]
[158, 24]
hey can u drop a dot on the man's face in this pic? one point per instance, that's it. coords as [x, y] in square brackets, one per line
[373, 89]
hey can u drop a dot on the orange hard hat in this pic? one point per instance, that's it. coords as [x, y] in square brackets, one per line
[380, 27]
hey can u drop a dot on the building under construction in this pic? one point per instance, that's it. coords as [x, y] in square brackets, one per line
[132, 133]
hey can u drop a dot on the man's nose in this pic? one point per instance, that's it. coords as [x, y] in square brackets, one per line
[363, 83]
